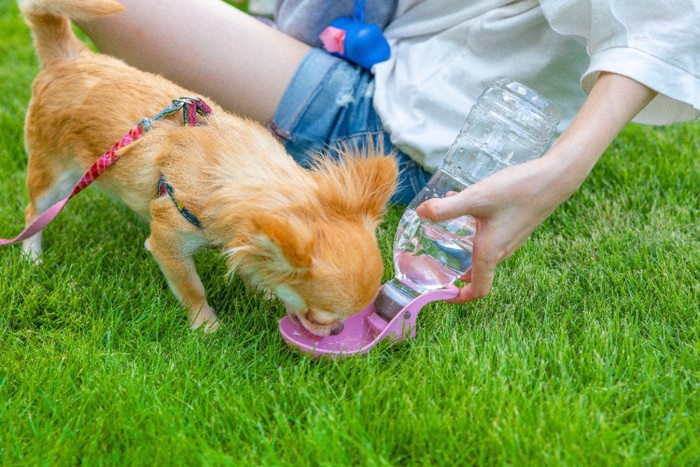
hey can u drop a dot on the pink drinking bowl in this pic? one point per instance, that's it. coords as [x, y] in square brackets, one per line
[363, 330]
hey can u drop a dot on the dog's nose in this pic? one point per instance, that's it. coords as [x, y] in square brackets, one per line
[337, 329]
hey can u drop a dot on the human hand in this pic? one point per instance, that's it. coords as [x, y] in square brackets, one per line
[507, 207]
[510, 204]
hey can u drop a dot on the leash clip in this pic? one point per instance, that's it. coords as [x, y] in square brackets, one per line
[190, 106]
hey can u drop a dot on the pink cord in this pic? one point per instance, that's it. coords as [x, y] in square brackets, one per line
[191, 107]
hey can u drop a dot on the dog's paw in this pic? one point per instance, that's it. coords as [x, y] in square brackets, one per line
[267, 294]
[204, 317]
[31, 257]
[31, 249]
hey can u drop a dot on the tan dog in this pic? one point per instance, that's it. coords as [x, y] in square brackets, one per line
[307, 236]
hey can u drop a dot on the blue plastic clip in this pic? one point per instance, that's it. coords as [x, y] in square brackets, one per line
[363, 44]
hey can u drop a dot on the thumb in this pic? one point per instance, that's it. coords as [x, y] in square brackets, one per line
[441, 209]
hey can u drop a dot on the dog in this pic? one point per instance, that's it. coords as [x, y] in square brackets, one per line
[306, 236]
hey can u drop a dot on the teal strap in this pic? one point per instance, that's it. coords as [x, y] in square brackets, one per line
[165, 188]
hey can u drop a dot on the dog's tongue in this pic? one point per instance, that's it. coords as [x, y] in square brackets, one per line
[363, 330]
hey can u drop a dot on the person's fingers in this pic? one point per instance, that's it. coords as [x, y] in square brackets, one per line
[465, 295]
[449, 207]
[479, 276]
[477, 289]
[482, 280]
[484, 262]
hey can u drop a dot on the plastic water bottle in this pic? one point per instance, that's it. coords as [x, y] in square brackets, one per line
[509, 124]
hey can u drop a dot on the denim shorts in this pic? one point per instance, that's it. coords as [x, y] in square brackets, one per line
[329, 103]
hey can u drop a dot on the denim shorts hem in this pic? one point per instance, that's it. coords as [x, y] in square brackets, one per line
[328, 104]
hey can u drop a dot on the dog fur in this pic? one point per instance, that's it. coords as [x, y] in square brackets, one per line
[306, 236]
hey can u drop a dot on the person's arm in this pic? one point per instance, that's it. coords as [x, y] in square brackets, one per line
[510, 204]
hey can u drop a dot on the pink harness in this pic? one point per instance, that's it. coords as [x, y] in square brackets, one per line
[191, 107]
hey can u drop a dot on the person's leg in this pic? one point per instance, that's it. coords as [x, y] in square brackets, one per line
[206, 46]
[247, 67]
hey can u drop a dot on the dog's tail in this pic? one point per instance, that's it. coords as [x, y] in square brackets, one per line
[50, 25]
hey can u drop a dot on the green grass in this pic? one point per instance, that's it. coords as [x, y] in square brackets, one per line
[587, 351]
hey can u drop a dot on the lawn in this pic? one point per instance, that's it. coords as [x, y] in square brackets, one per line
[587, 351]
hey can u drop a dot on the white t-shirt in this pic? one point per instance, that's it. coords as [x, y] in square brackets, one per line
[444, 52]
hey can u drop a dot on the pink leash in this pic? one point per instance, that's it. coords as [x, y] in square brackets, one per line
[192, 106]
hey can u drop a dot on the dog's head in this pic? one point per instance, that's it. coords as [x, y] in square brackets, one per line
[321, 258]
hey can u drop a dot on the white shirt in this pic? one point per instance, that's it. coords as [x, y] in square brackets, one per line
[444, 52]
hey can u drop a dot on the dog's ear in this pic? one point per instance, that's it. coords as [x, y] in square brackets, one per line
[287, 241]
[375, 178]
[358, 184]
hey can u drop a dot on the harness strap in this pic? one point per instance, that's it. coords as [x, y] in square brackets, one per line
[164, 188]
[192, 106]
